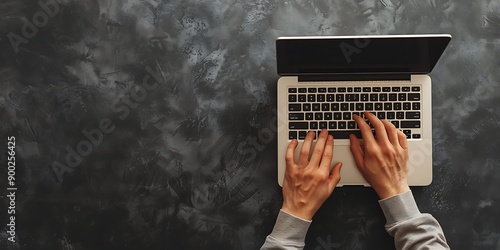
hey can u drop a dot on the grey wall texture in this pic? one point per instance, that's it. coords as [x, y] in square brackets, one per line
[148, 124]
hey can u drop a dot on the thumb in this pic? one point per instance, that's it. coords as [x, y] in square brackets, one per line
[334, 177]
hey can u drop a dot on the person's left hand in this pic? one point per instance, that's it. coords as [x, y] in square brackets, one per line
[308, 183]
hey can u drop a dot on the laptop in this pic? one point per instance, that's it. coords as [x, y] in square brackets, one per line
[324, 80]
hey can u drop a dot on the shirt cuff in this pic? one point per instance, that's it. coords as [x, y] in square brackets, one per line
[290, 228]
[399, 207]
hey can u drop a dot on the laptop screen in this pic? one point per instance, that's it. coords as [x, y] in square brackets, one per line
[412, 54]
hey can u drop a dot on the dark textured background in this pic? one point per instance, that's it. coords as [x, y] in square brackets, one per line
[172, 173]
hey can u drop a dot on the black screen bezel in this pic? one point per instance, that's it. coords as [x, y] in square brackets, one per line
[428, 50]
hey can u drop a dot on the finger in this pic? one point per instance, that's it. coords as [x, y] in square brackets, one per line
[305, 149]
[378, 126]
[392, 132]
[402, 140]
[366, 131]
[334, 177]
[326, 160]
[357, 151]
[290, 153]
[319, 148]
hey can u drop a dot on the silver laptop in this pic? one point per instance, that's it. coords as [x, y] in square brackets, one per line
[325, 80]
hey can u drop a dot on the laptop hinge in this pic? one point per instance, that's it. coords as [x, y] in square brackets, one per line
[355, 77]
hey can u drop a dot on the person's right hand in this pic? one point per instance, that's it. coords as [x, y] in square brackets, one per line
[383, 161]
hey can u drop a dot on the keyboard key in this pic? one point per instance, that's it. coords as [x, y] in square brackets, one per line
[325, 107]
[413, 96]
[396, 89]
[321, 98]
[346, 116]
[406, 89]
[367, 89]
[311, 98]
[318, 116]
[400, 115]
[357, 89]
[294, 107]
[321, 90]
[302, 98]
[369, 106]
[296, 116]
[416, 106]
[313, 125]
[412, 115]
[364, 97]
[407, 133]
[376, 89]
[383, 97]
[292, 98]
[359, 106]
[351, 125]
[341, 90]
[416, 136]
[323, 125]
[402, 97]
[381, 115]
[335, 107]
[292, 135]
[330, 98]
[344, 106]
[406, 106]
[373, 97]
[337, 134]
[342, 125]
[393, 97]
[316, 107]
[302, 135]
[332, 90]
[386, 89]
[312, 90]
[307, 107]
[410, 124]
[349, 89]
[379, 106]
[298, 125]
[328, 116]
[292, 90]
[309, 116]
[339, 97]
[332, 125]
[397, 106]
[391, 115]
[387, 106]
[337, 116]
[395, 123]
[302, 90]
[415, 88]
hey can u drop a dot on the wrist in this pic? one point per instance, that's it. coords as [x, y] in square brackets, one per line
[392, 191]
[301, 213]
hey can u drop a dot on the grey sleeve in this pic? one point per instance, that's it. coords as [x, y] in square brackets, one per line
[410, 228]
[289, 233]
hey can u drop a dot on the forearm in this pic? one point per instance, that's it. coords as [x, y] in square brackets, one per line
[289, 233]
[410, 228]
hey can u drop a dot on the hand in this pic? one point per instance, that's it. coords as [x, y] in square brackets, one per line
[383, 161]
[310, 182]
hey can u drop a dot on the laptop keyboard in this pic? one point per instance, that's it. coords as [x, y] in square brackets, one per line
[316, 108]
